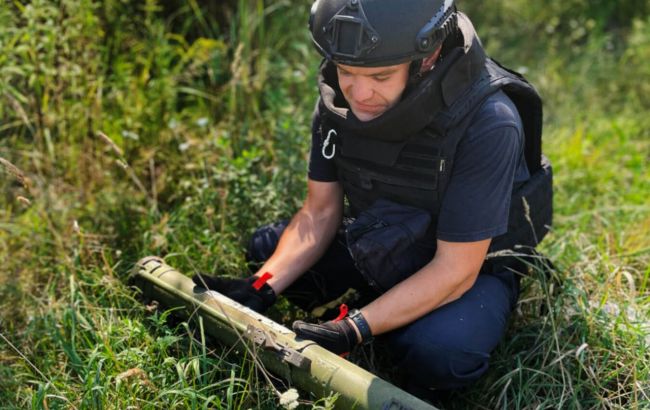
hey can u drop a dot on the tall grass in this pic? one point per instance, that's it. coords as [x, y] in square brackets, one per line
[175, 128]
[138, 140]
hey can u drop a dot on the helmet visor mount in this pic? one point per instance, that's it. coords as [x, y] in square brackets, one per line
[437, 29]
[377, 33]
[349, 34]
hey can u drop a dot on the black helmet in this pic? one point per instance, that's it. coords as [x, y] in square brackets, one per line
[375, 33]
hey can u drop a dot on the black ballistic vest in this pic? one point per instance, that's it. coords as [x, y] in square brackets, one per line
[406, 155]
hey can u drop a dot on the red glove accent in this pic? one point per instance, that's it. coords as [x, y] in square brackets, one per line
[262, 280]
[343, 312]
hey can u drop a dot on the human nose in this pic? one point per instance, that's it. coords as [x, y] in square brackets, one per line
[362, 90]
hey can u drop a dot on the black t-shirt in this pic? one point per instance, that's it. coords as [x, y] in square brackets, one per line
[489, 162]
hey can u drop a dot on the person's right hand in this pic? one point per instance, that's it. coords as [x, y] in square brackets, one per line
[252, 292]
[337, 336]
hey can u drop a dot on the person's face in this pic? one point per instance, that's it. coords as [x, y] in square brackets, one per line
[371, 91]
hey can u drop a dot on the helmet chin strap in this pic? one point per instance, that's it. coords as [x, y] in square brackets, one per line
[421, 66]
[415, 76]
[415, 68]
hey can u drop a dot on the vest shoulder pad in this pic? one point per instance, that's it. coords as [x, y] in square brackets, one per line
[528, 102]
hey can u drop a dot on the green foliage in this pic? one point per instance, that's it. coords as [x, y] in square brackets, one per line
[187, 165]
[175, 128]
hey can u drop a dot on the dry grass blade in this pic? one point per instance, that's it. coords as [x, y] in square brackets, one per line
[23, 200]
[110, 143]
[136, 375]
[20, 111]
[122, 162]
[32, 365]
[17, 173]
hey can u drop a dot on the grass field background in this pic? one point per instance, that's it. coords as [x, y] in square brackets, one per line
[175, 128]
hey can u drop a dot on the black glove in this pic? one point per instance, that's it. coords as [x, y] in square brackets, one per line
[250, 292]
[337, 336]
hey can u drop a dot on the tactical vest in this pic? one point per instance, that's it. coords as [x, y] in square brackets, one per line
[407, 154]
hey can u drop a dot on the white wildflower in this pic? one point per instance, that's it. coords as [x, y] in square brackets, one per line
[289, 399]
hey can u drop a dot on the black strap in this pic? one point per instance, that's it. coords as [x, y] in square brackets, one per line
[362, 325]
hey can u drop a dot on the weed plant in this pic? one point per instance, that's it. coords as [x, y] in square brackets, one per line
[175, 128]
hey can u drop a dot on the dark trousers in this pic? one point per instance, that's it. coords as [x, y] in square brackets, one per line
[446, 349]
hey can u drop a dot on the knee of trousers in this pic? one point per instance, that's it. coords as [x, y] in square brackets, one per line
[264, 241]
[441, 367]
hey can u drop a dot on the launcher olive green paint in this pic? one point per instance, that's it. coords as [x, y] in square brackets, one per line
[303, 363]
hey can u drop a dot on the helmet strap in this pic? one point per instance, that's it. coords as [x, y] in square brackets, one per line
[415, 67]
[415, 76]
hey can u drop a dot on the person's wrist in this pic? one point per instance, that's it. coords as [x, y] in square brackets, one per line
[355, 328]
[361, 326]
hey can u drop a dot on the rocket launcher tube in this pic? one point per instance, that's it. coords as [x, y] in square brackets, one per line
[302, 362]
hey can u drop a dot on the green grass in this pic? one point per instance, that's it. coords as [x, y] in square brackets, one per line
[208, 109]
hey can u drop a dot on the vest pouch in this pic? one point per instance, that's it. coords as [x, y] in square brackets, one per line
[382, 241]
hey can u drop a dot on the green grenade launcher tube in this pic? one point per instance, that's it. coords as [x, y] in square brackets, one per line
[301, 362]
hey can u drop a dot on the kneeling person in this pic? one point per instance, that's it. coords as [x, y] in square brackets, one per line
[423, 135]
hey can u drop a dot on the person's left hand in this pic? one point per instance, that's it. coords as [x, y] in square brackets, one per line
[337, 336]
